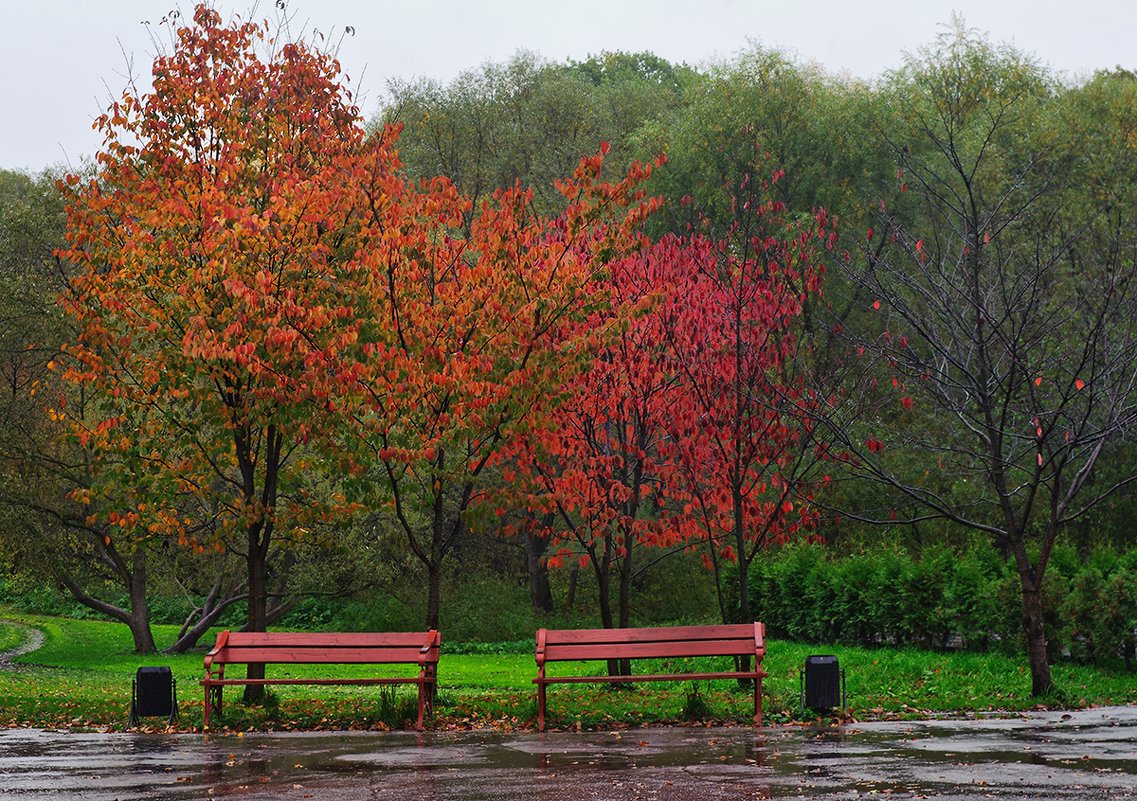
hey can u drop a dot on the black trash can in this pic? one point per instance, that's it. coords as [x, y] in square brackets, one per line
[824, 683]
[154, 694]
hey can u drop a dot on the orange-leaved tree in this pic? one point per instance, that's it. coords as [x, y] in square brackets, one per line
[469, 337]
[215, 251]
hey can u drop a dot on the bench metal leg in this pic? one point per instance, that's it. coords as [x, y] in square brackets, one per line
[758, 701]
[540, 706]
[758, 695]
[421, 703]
[212, 701]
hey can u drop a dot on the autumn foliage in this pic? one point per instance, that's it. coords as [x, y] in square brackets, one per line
[268, 304]
[467, 336]
[212, 247]
[689, 426]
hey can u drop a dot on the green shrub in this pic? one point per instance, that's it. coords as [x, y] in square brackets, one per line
[810, 594]
[859, 620]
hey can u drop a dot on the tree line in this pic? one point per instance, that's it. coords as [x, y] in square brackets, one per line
[611, 310]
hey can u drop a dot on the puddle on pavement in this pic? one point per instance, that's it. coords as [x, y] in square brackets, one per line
[1087, 755]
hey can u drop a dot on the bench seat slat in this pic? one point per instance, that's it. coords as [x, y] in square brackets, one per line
[385, 680]
[731, 674]
[639, 650]
[277, 639]
[323, 656]
[658, 634]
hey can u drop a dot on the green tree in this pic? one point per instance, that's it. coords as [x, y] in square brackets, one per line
[530, 121]
[814, 127]
[50, 536]
[1003, 309]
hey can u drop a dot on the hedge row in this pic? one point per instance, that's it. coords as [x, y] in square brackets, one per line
[944, 597]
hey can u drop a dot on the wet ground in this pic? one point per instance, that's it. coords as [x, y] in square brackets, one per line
[1090, 754]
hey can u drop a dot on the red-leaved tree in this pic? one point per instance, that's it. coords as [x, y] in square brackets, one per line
[593, 472]
[739, 450]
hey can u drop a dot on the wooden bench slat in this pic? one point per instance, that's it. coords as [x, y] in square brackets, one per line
[278, 639]
[645, 650]
[743, 631]
[726, 674]
[320, 656]
[376, 680]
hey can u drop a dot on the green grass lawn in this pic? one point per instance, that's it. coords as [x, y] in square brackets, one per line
[81, 677]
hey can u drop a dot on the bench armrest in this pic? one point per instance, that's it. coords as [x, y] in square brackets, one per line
[430, 643]
[539, 654]
[222, 641]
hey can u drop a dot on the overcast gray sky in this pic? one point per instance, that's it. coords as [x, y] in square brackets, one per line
[61, 60]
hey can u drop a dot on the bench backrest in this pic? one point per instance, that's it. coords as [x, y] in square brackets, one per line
[660, 642]
[419, 648]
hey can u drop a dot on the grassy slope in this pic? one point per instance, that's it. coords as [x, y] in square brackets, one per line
[82, 677]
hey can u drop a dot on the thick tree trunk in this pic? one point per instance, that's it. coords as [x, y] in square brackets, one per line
[1034, 626]
[137, 617]
[570, 597]
[139, 608]
[433, 593]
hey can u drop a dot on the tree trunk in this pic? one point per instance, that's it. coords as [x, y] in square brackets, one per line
[137, 616]
[625, 607]
[1041, 683]
[540, 591]
[258, 604]
[201, 619]
[574, 577]
[139, 609]
[433, 593]
[607, 619]
[744, 615]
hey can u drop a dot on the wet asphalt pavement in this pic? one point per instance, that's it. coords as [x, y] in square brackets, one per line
[1089, 754]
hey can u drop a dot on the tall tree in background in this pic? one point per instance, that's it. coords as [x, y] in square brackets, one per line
[528, 120]
[211, 249]
[806, 123]
[1003, 291]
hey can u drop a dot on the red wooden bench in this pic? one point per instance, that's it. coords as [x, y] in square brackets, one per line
[565, 645]
[413, 648]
